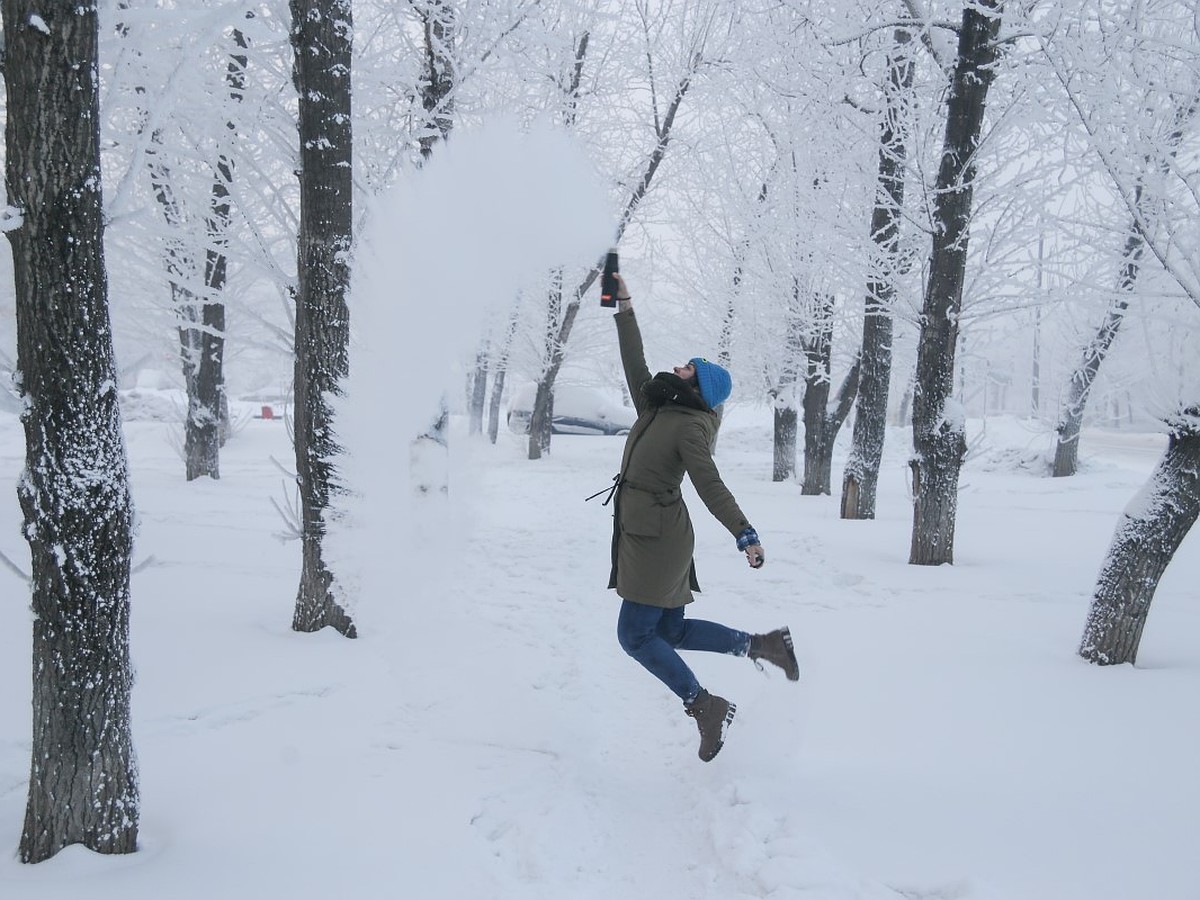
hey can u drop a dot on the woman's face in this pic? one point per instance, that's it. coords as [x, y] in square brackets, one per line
[687, 373]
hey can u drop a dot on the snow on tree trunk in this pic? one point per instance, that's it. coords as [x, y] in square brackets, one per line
[1070, 421]
[206, 401]
[1150, 531]
[74, 490]
[939, 441]
[541, 417]
[321, 42]
[821, 424]
[500, 375]
[189, 309]
[477, 396]
[786, 428]
[493, 425]
[860, 478]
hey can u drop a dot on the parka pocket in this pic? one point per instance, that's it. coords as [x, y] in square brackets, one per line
[641, 514]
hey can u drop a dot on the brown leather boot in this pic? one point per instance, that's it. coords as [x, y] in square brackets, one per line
[776, 648]
[713, 715]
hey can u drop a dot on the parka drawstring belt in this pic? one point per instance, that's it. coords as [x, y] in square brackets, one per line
[663, 498]
[611, 490]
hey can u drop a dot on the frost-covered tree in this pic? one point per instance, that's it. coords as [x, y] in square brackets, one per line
[939, 440]
[1129, 73]
[1154, 525]
[175, 130]
[676, 32]
[322, 40]
[860, 478]
[74, 490]
[822, 420]
[1148, 533]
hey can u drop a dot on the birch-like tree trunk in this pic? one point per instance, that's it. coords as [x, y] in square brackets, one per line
[1150, 531]
[860, 478]
[321, 34]
[74, 491]
[939, 438]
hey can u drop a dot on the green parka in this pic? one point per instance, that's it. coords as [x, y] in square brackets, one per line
[653, 539]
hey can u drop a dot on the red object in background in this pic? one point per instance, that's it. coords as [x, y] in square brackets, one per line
[268, 413]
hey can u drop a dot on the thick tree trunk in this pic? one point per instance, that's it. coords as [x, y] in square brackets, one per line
[860, 478]
[1146, 539]
[786, 428]
[321, 41]
[74, 491]
[939, 438]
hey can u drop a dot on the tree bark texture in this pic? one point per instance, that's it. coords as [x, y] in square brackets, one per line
[939, 441]
[818, 453]
[206, 404]
[440, 24]
[541, 417]
[860, 478]
[321, 42]
[821, 424]
[1149, 533]
[74, 491]
[786, 428]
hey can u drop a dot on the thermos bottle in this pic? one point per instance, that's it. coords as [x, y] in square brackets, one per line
[608, 280]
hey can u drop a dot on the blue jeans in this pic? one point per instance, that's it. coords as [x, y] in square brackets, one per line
[651, 635]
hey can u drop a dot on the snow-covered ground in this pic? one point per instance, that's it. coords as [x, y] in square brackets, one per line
[487, 738]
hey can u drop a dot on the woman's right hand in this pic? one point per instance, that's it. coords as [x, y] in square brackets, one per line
[755, 556]
[622, 290]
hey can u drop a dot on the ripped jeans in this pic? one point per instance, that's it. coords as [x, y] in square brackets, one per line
[652, 634]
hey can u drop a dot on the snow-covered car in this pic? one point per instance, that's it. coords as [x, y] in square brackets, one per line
[577, 410]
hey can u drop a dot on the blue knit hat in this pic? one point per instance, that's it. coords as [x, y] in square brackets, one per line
[715, 382]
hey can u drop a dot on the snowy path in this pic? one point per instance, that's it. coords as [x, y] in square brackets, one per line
[486, 737]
